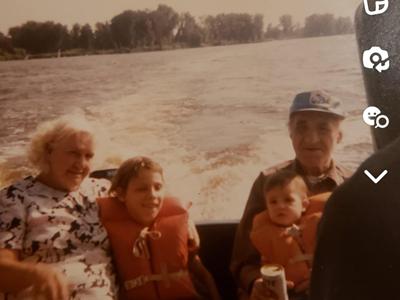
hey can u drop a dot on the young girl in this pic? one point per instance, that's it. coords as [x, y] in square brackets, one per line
[154, 243]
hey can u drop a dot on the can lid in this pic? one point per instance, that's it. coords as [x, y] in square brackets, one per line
[271, 270]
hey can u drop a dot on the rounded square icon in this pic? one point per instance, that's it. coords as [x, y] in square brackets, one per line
[376, 58]
[380, 7]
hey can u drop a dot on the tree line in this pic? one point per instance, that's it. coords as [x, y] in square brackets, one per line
[314, 25]
[160, 28]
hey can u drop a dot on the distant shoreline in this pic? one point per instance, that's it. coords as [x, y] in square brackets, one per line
[83, 52]
[135, 31]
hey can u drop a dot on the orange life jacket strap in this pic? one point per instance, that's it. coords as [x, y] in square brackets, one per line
[143, 279]
[300, 258]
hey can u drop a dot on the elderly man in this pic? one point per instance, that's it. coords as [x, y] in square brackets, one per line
[314, 127]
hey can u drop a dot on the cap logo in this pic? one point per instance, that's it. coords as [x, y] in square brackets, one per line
[318, 98]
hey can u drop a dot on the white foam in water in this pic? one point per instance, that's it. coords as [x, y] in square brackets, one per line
[213, 117]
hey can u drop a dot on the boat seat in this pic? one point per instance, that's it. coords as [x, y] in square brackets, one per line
[216, 243]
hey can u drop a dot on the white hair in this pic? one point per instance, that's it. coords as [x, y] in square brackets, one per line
[53, 131]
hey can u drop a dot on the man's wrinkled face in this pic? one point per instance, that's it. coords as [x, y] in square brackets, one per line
[314, 136]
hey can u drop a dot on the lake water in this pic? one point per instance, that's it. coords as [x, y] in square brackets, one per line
[213, 117]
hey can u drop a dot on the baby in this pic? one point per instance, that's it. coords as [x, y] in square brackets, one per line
[153, 242]
[285, 233]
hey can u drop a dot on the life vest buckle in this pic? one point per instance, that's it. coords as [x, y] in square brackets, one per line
[143, 279]
[136, 282]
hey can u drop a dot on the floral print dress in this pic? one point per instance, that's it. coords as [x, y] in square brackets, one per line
[61, 229]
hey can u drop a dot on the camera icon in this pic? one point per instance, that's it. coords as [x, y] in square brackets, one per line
[376, 58]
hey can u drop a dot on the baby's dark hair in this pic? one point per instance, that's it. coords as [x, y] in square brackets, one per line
[130, 169]
[281, 178]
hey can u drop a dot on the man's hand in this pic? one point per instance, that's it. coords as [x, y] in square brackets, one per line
[261, 292]
[302, 286]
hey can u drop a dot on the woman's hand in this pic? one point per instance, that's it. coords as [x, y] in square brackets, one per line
[48, 283]
[40, 279]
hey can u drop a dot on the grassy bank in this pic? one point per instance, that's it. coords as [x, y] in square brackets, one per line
[20, 54]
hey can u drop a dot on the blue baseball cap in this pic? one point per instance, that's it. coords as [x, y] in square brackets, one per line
[319, 101]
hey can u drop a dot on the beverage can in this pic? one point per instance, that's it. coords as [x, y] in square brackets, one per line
[274, 278]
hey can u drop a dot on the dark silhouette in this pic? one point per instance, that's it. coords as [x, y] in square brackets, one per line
[358, 251]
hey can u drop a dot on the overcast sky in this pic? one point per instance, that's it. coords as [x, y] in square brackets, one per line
[68, 12]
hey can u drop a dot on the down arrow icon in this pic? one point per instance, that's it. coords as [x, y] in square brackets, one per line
[375, 179]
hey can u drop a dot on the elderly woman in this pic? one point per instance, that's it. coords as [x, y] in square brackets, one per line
[52, 245]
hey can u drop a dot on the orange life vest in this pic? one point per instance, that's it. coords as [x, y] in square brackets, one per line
[277, 245]
[151, 262]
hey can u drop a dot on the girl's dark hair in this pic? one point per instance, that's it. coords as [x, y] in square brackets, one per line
[130, 169]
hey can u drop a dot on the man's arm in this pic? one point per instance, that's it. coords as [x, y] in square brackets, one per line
[245, 264]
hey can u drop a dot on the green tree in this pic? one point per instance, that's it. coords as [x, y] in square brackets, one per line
[189, 32]
[210, 29]
[243, 27]
[319, 25]
[131, 29]
[122, 28]
[237, 28]
[164, 20]
[286, 22]
[6, 44]
[86, 37]
[143, 34]
[103, 36]
[344, 25]
[75, 34]
[39, 37]
[273, 32]
[298, 30]
[258, 27]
